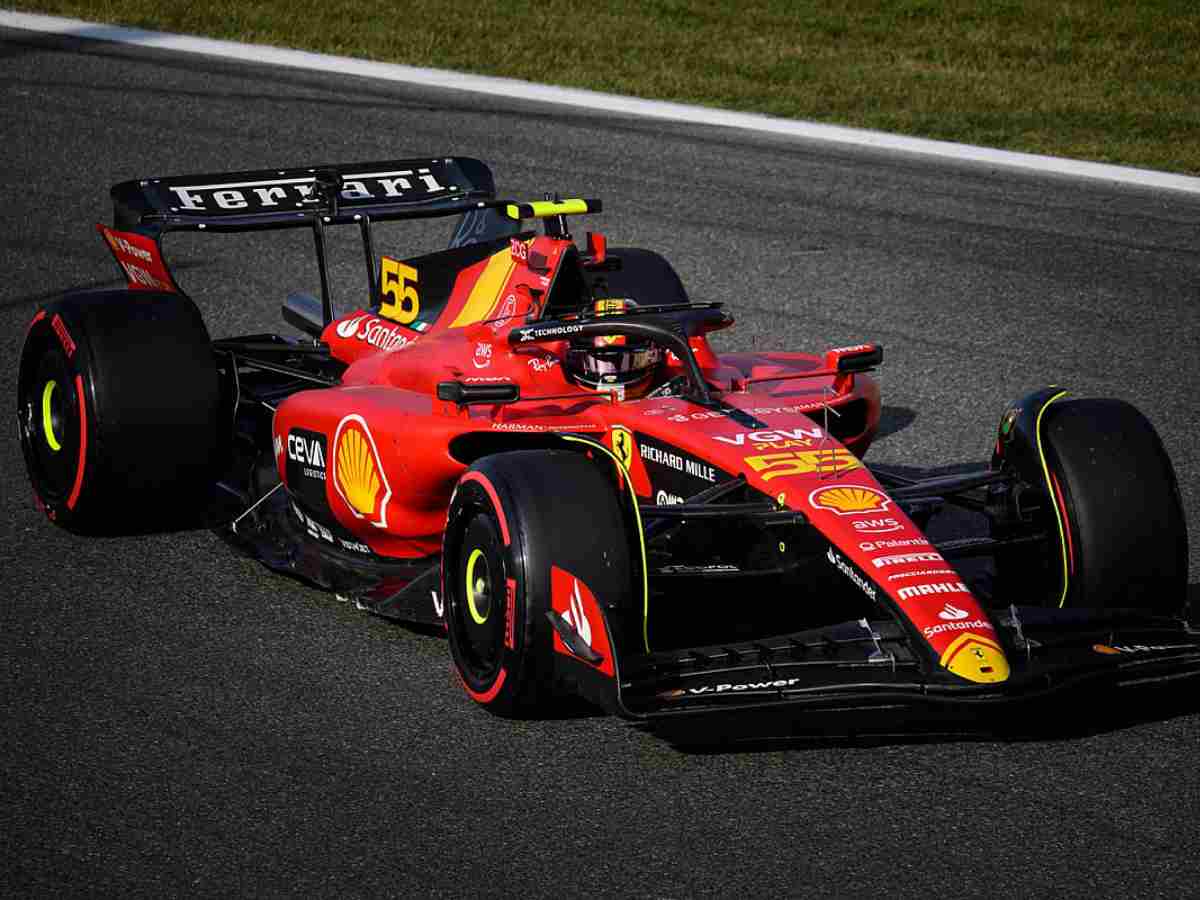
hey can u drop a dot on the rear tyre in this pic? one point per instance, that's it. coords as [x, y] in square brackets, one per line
[118, 406]
[1117, 499]
[512, 518]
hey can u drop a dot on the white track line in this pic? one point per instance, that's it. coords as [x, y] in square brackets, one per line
[524, 90]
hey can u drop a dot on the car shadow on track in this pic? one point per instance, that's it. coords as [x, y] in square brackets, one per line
[893, 419]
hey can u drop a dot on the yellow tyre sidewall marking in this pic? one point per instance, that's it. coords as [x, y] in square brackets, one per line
[637, 517]
[1062, 535]
[47, 423]
[475, 556]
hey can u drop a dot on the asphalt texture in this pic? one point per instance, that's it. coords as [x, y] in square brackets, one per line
[179, 721]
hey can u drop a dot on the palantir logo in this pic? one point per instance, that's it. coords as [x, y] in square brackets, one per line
[952, 613]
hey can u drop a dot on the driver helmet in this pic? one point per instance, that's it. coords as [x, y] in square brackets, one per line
[615, 362]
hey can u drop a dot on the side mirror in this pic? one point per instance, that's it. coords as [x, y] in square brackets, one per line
[467, 394]
[303, 311]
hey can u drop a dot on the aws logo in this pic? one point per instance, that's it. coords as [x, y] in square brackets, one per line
[358, 473]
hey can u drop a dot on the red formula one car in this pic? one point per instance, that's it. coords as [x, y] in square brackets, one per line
[536, 447]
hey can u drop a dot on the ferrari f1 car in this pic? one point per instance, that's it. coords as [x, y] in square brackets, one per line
[533, 445]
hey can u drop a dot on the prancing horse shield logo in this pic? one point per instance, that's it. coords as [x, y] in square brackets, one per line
[622, 444]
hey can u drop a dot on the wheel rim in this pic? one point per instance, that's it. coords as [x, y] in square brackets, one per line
[52, 418]
[474, 614]
[48, 409]
[478, 587]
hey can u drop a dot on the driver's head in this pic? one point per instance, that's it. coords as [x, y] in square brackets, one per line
[612, 362]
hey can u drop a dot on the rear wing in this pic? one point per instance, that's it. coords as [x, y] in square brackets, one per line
[292, 198]
[315, 197]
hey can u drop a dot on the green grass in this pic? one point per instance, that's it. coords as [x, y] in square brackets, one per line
[1110, 80]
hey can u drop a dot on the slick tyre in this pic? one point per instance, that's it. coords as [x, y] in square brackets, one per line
[513, 518]
[118, 404]
[1123, 540]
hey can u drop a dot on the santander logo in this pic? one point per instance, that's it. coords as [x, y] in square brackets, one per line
[373, 331]
[952, 613]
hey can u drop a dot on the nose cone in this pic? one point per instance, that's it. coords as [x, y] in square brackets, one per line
[977, 659]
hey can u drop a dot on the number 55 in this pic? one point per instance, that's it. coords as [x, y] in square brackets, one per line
[399, 288]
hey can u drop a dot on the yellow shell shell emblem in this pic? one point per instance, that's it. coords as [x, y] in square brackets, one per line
[358, 471]
[847, 498]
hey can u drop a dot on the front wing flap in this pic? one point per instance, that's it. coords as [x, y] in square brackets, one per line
[864, 665]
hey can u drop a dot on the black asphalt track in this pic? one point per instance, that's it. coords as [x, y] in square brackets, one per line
[178, 721]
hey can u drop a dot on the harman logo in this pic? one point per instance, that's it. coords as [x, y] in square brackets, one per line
[849, 499]
[358, 472]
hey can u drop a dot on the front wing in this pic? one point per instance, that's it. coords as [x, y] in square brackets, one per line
[867, 666]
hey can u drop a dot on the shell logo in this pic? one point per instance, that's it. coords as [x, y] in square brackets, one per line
[358, 471]
[849, 499]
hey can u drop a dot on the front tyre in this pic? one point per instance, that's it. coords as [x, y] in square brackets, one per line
[1115, 509]
[519, 523]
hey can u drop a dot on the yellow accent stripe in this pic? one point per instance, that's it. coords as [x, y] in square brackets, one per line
[637, 516]
[47, 420]
[1062, 534]
[487, 289]
[541, 208]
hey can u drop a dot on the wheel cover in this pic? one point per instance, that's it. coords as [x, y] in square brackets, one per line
[477, 631]
[50, 421]
[478, 587]
[51, 415]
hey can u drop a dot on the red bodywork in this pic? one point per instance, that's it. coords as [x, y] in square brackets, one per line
[390, 465]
